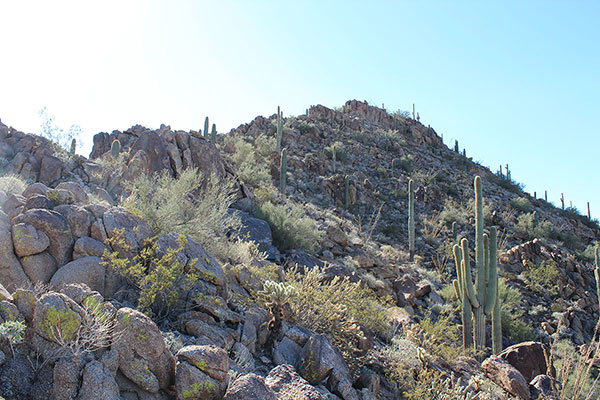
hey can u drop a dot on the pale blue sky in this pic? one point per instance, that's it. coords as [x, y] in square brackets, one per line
[515, 82]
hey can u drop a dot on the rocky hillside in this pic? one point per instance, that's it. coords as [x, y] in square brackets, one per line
[278, 275]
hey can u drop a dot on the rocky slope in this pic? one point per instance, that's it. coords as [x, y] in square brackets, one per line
[55, 232]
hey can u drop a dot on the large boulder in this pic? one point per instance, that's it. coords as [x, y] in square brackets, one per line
[506, 376]
[79, 219]
[55, 226]
[87, 270]
[543, 386]
[39, 267]
[87, 247]
[320, 360]
[12, 275]
[57, 317]
[529, 358]
[201, 372]
[287, 384]
[98, 381]
[28, 240]
[249, 386]
[143, 357]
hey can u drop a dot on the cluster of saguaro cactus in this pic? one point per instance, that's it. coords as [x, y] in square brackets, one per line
[279, 128]
[479, 300]
[282, 170]
[115, 148]
[411, 220]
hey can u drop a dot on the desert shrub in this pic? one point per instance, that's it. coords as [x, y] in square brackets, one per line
[543, 278]
[441, 338]
[522, 204]
[57, 135]
[12, 184]
[405, 163]
[249, 159]
[193, 205]
[453, 212]
[506, 183]
[574, 370]
[430, 384]
[590, 251]
[160, 279]
[337, 308]
[12, 332]
[341, 154]
[400, 358]
[531, 227]
[291, 228]
[511, 314]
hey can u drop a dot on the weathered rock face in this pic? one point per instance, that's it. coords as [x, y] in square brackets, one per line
[546, 387]
[11, 272]
[201, 372]
[286, 383]
[250, 386]
[56, 228]
[143, 356]
[56, 317]
[320, 360]
[87, 270]
[506, 376]
[528, 358]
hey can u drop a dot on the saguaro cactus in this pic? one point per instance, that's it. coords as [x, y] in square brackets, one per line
[454, 231]
[333, 156]
[115, 148]
[597, 273]
[279, 128]
[411, 220]
[206, 127]
[346, 192]
[74, 147]
[480, 299]
[282, 170]
[213, 134]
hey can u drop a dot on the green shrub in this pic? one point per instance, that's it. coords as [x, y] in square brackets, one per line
[441, 338]
[543, 278]
[531, 227]
[249, 158]
[522, 204]
[511, 313]
[291, 229]
[192, 205]
[405, 163]
[341, 153]
[337, 308]
[160, 280]
[12, 331]
[12, 184]
[453, 212]
[506, 183]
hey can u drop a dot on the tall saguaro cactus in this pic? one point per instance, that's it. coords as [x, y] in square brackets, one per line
[411, 220]
[282, 170]
[115, 148]
[213, 134]
[206, 128]
[597, 273]
[279, 128]
[479, 300]
[346, 192]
